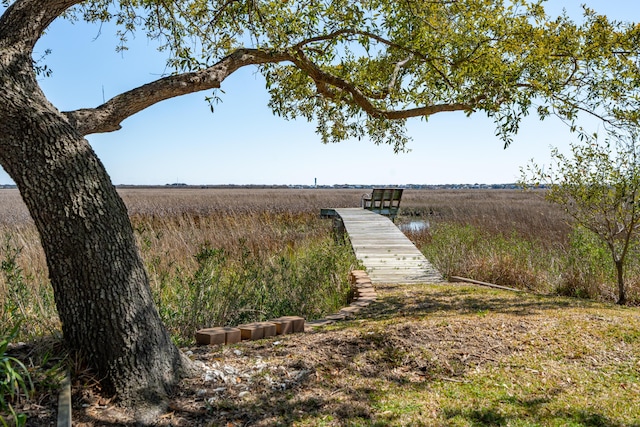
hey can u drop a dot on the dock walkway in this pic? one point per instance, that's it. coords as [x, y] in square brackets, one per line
[387, 254]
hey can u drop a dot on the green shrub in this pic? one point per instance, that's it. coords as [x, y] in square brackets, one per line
[25, 302]
[16, 296]
[450, 247]
[582, 268]
[307, 281]
[508, 260]
[15, 381]
[588, 270]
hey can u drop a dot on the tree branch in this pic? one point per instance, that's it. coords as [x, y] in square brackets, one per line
[25, 21]
[379, 39]
[324, 81]
[108, 116]
[396, 71]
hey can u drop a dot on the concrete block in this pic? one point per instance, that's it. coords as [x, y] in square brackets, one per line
[297, 323]
[283, 326]
[218, 335]
[365, 286]
[366, 294]
[357, 274]
[318, 323]
[336, 316]
[359, 303]
[352, 309]
[346, 313]
[210, 336]
[232, 335]
[269, 329]
[251, 331]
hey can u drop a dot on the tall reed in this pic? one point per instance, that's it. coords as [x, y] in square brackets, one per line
[190, 236]
[244, 267]
[517, 239]
[213, 257]
[25, 293]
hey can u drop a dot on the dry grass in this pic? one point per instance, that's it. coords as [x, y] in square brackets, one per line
[176, 222]
[173, 209]
[170, 202]
[495, 211]
[172, 224]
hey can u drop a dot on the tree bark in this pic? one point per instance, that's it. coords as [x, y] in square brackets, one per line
[622, 297]
[98, 277]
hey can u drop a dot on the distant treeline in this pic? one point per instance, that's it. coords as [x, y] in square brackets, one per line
[334, 186]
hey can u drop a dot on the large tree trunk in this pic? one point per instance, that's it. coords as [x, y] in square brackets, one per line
[100, 285]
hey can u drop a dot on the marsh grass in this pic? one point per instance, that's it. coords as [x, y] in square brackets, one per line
[213, 258]
[508, 237]
[516, 238]
[26, 298]
[504, 212]
[507, 260]
[308, 280]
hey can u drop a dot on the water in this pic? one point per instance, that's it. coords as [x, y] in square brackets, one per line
[414, 226]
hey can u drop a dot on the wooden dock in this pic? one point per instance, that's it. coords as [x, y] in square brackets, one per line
[387, 254]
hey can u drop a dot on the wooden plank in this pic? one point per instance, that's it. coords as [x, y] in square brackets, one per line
[64, 402]
[388, 255]
[490, 285]
[384, 201]
[327, 213]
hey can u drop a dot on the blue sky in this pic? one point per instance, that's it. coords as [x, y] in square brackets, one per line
[180, 140]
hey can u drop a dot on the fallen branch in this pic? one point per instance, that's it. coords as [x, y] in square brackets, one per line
[477, 282]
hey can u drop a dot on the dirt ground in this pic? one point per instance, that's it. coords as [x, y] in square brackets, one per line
[412, 336]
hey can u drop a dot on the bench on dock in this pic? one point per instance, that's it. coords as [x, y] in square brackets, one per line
[383, 201]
